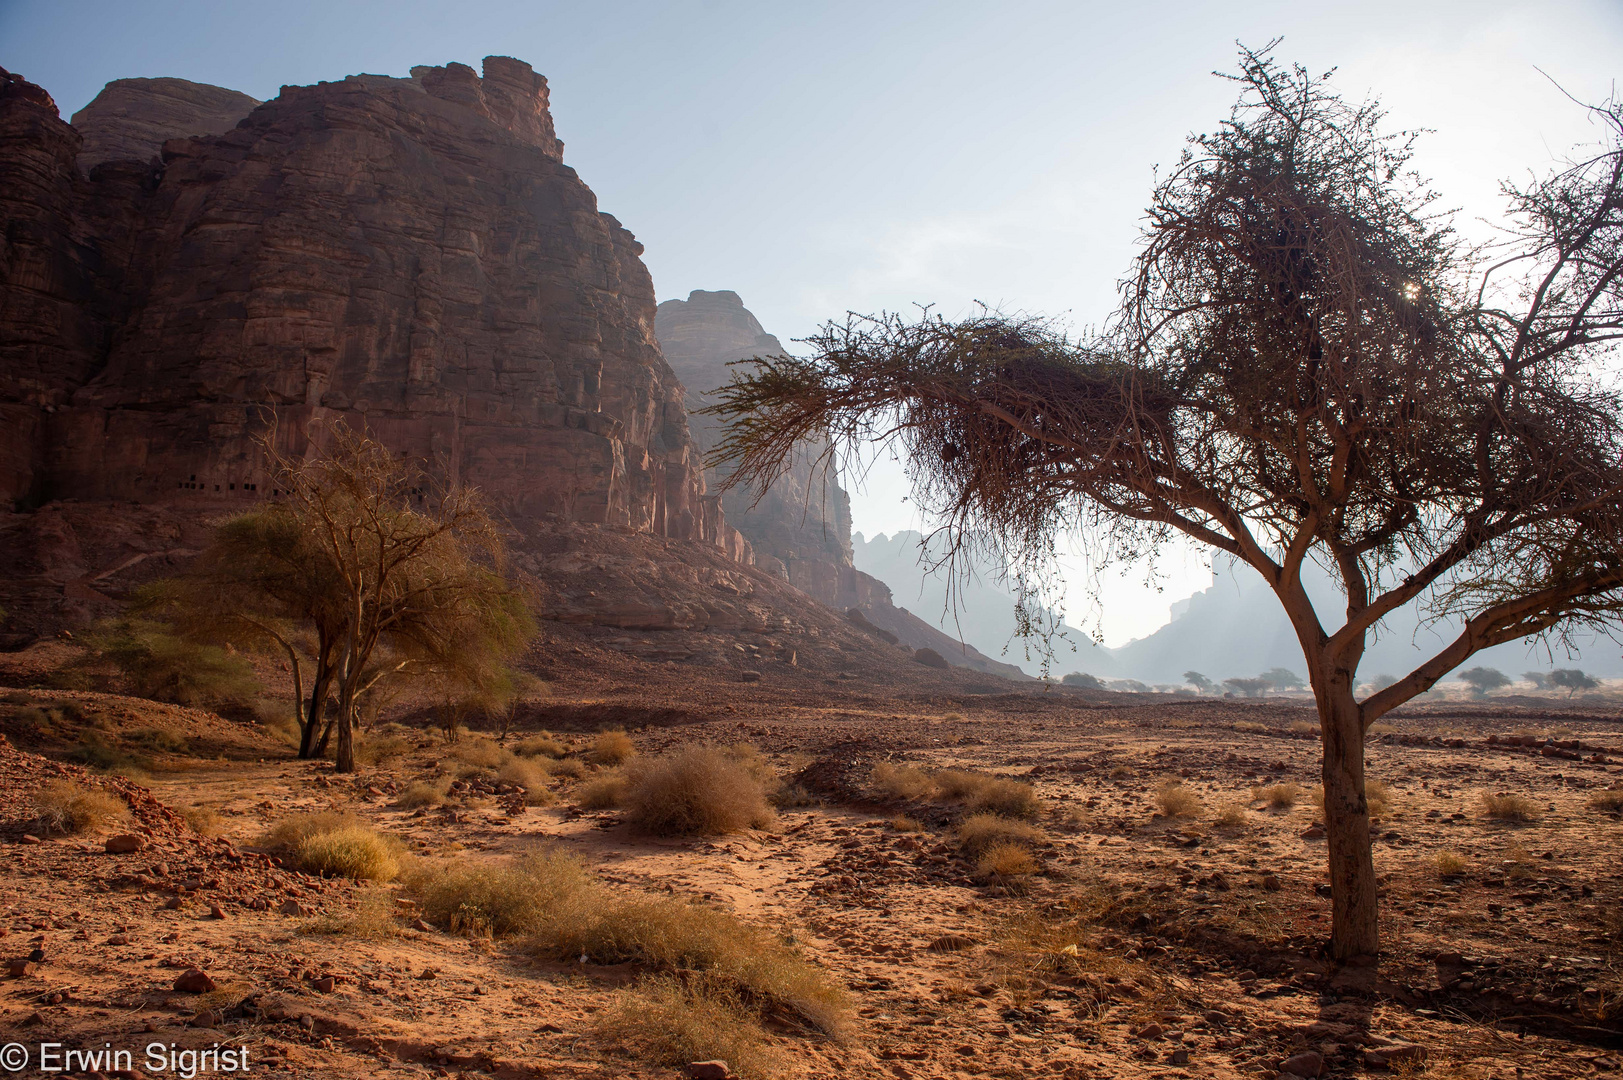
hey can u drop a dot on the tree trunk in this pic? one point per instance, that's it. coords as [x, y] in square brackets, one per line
[316, 710]
[345, 761]
[1354, 920]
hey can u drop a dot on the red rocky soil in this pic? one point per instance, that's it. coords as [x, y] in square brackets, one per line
[1146, 946]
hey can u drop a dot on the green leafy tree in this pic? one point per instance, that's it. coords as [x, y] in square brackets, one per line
[1199, 682]
[1251, 688]
[1539, 679]
[1483, 680]
[1282, 679]
[1571, 680]
[1307, 365]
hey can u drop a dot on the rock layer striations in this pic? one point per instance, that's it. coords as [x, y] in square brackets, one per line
[408, 255]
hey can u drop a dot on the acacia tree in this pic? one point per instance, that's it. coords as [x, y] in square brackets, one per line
[1307, 364]
[415, 568]
[1483, 680]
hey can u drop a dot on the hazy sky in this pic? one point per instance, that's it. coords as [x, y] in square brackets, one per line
[825, 157]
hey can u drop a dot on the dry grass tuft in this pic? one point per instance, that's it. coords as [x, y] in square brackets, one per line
[532, 777]
[1231, 816]
[543, 745]
[374, 918]
[478, 753]
[667, 1022]
[1508, 807]
[980, 833]
[1303, 727]
[204, 820]
[1381, 727]
[376, 751]
[699, 789]
[1450, 864]
[1609, 801]
[486, 900]
[1380, 796]
[1250, 727]
[1120, 772]
[566, 913]
[1006, 860]
[902, 781]
[604, 791]
[569, 768]
[905, 824]
[331, 843]
[1279, 796]
[611, 748]
[423, 793]
[353, 852]
[1177, 801]
[978, 792]
[66, 807]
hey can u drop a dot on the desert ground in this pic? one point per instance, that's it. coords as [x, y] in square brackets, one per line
[1165, 921]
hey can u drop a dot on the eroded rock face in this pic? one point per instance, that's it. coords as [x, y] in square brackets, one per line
[409, 255]
[133, 118]
[801, 527]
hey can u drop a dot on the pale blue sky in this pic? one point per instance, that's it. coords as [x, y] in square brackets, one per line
[819, 157]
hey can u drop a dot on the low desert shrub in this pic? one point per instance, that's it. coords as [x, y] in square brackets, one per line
[530, 776]
[569, 768]
[698, 789]
[423, 793]
[1230, 816]
[1508, 807]
[478, 753]
[1177, 801]
[286, 835]
[541, 745]
[902, 781]
[1450, 864]
[978, 792]
[611, 748]
[905, 824]
[1120, 772]
[161, 739]
[353, 852]
[204, 820]
[1609, 801]
[565, 914]
[1380, 796]
[505, 900]
[381, 748]
[1302, 727]
[375, 917]
[671, 935]
[604, 791]
[66, 807]
[1006, 860]
[669, 1022]
[95, 750]
[1279, 796]
[982, 832]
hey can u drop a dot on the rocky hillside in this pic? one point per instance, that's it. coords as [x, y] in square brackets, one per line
[131, 119]
[410, 255]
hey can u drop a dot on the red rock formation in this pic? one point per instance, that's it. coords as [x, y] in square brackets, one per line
[408, 254]
[133, 118]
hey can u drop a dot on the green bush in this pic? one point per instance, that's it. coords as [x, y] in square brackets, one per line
[163, 667]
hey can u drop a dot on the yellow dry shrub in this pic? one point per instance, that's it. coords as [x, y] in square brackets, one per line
[352, 852]
[544, 744]
[669, 1022]
[611, 748]
[65, 807]
[982, 832]
[604, 791]
[1006, 860]
[697, 789]
[532, 777]
[1177, 801]
[1508, 807]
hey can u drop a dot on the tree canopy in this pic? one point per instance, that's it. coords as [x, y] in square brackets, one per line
[1307, 363]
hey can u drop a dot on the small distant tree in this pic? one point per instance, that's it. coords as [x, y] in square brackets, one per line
[1082, 678]
[1252, 688]
[1382, 681]
[370, 571]
[1307, 366]
[1283, 679]
[1571, 680]
[1483, 680]
[1129, 686]
[1539, 680]
[1200, 682]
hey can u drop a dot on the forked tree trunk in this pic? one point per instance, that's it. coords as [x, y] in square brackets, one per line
[344, 761]
[1354, 920]
[314, 714]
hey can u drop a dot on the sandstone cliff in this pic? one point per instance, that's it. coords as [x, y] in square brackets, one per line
[411, 255]
[133, 118]
[800, 529]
